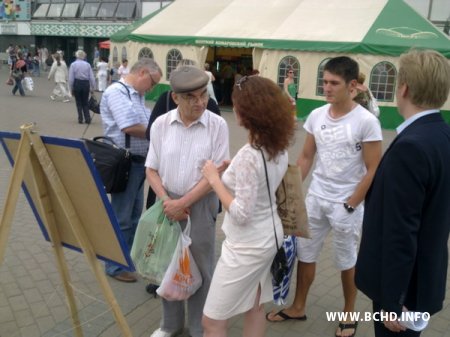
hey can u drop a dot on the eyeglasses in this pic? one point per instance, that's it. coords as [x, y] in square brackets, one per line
[153, 81]
[191, 99]
[290, 72]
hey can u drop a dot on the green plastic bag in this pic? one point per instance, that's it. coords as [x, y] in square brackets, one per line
[154, 243]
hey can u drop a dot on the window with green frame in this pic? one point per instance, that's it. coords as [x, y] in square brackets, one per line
[287, 63]
[173, 57]
[319, 86]
[382, 81]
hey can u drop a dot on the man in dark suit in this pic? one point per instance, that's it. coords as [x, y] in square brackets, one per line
[403, 258]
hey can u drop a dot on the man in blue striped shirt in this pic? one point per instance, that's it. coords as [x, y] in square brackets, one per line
[125, 118]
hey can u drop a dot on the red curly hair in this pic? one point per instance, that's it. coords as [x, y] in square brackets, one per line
[266, 112]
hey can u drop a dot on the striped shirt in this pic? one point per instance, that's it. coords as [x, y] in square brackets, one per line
[178, 152]
[81, 70]
[119, 112]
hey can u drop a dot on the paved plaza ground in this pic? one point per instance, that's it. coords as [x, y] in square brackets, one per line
[32, 300]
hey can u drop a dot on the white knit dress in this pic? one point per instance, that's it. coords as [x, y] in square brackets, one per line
[249, 246]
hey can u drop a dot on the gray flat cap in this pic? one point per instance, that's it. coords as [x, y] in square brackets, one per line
[188, 78]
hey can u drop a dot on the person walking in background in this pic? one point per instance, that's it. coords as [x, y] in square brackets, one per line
[290, 88]
[123, 69]
[114, 73]
[210, 86]
[403, 258]
[96, 58]
[18, 72]
[124, 118]
[180, 143]
[36, 66]
[102, 74]
[44, 56]
[364, 97]
[60, 73]
[242, 282]
[347, 139]
[81, 83]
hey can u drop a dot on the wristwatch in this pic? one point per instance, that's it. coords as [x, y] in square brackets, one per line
[348, 208]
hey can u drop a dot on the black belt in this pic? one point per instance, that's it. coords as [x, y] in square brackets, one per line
[138, 159]
[81, 80]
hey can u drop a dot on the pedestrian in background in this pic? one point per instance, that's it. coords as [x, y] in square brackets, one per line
[60, 73]
[123, 69]
[81, 83]
[102, 74]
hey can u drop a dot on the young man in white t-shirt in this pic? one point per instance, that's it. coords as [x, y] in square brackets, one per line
[347, 140]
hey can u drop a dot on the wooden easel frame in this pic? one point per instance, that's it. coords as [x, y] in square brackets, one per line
[49, 178]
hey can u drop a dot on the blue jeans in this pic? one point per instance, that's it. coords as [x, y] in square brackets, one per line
[18, 86]
[127, 206]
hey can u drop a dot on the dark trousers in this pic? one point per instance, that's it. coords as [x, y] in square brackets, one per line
[81, 89]
[18, 86]
[382, 331]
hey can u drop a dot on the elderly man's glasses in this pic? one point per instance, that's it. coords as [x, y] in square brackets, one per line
[191, 99]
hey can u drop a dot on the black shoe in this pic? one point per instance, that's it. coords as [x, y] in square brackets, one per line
[151, 289]
[87, 121]
[80, 122]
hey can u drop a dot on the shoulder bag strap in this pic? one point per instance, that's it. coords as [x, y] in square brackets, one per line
[270, 197]
[127, 136]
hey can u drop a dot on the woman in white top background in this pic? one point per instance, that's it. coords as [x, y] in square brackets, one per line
[61, 75]
[242, 281]
[123, 69]
[102, 74]
[210, 86]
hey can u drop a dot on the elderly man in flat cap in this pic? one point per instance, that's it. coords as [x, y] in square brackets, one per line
[180, 143]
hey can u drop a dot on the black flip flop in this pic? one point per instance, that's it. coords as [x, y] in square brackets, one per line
[344, 326]
[285, 317]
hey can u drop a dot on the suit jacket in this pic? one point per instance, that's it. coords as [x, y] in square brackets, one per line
[403, 254]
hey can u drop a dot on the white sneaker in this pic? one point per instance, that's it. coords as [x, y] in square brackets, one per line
[160, 333]
[66, 100]
[52, 97]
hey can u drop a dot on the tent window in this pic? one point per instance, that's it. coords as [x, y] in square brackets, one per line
[115, 55]
[41, 12]
[70, 10]
[55, 10]
[288, 62]
[107, 9]
[382, 81]
[144, 52]
[173, 57]
[125, 10]
[90, 10]
[124, 53]
[319, 90]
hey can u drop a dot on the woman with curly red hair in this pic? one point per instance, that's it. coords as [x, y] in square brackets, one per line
[242, 280]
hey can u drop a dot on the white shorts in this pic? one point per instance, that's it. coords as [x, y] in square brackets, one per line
[325, 216]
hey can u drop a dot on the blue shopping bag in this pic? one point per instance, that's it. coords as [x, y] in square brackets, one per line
[280, 292]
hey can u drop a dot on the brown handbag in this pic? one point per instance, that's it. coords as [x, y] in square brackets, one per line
[291, 204]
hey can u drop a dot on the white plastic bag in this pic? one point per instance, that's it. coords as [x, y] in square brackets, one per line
[182, 278]
[28, 83]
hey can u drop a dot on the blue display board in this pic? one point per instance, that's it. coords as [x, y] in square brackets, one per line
[78, 175]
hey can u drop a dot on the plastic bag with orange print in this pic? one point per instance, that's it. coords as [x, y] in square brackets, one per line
[182, 278]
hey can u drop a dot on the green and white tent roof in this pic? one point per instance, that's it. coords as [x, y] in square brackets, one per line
[387, 27]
